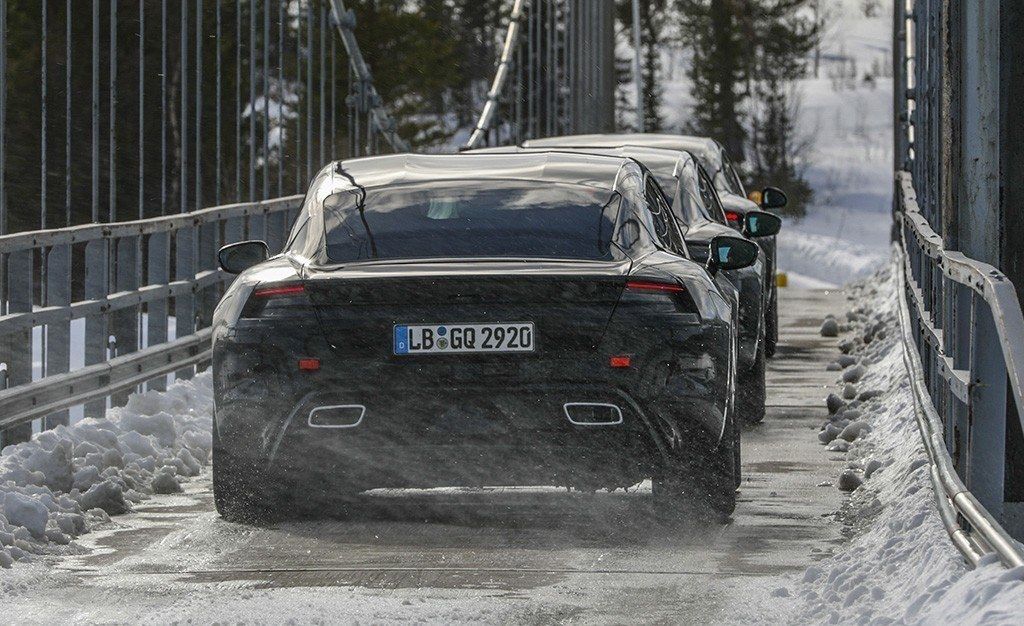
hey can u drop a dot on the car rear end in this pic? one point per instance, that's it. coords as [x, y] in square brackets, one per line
[577, 392]
[469, 371]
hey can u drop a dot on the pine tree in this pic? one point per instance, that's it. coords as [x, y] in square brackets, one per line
[720, 64]
[783, 46]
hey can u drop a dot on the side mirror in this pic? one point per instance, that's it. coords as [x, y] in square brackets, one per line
[773, 198]
[731, 253]
[761, 224]
[235, 258]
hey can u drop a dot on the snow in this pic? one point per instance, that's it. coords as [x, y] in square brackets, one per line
[66, 480]
[900, 566]
[847, 121]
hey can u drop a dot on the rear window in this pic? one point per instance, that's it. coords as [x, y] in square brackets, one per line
[462, 219]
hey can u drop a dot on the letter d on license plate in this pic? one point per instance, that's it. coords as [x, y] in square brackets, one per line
[462, 338]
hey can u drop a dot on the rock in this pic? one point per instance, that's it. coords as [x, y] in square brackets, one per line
[854, 374]
[850, 391]
[86, 477]
[849, 480]
[847, 345]
[834, 403]
[851, 414]
[855, 430]
[22, 510]
[828, 434]
[781, 592]
[846, 360]
[830, 327]
[55, 535]
[871, 467]
[869, 395]
[6, 560]
[838, 445]
[98, 515]
[165, 482]
[106, 495]
[833, 367]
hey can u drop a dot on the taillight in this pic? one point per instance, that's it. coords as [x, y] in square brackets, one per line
[645, 296]
[280, 290]
[650, 285]
[734, 217]
[276, 301]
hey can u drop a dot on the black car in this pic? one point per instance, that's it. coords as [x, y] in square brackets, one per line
[476, 320]
[714, 159]
[695, 203]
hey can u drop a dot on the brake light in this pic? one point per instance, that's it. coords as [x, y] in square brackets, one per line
[620, 361]
[309, 365]
[280, 300]
[650, 285]
[280, 290]
[733, 216]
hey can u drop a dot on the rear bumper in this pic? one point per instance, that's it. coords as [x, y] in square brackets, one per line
[481, 420]
[466, 435]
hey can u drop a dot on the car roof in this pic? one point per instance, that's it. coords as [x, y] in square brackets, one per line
[592, 170]
[689, 143]
[655, 159]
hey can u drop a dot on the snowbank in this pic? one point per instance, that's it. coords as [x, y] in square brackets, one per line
[54, 487]
[824, 261]
[900, 567]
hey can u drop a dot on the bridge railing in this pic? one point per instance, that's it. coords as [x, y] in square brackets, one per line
[109, 337]
[962, 323]
[150, 111]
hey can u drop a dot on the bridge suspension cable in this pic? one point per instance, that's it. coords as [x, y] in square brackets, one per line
[555, 73]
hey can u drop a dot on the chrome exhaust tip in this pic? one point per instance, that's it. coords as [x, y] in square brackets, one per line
[592, 413]
[337, 416]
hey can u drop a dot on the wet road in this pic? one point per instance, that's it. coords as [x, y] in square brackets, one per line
[535, 555]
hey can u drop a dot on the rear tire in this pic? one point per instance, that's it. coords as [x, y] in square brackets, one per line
[752, 393]
[706, 485]
[235, 492]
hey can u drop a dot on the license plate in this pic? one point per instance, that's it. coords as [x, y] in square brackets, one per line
[462, 338]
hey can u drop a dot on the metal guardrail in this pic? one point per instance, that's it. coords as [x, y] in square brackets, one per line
[962, 328]
[125, 279]
[186, 105]
[36, 400]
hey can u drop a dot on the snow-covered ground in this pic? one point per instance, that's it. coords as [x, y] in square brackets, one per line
[900, 566]
[66, 480]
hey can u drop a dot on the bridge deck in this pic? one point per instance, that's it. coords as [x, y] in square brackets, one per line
[530, 555]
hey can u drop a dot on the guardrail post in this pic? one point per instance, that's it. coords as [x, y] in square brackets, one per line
[97, 254]
[185, 305]
[207, 297]
[986, 453]
[157, 273]
[959, 351]
[17, 346]
[125, 322]
[58, 335]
